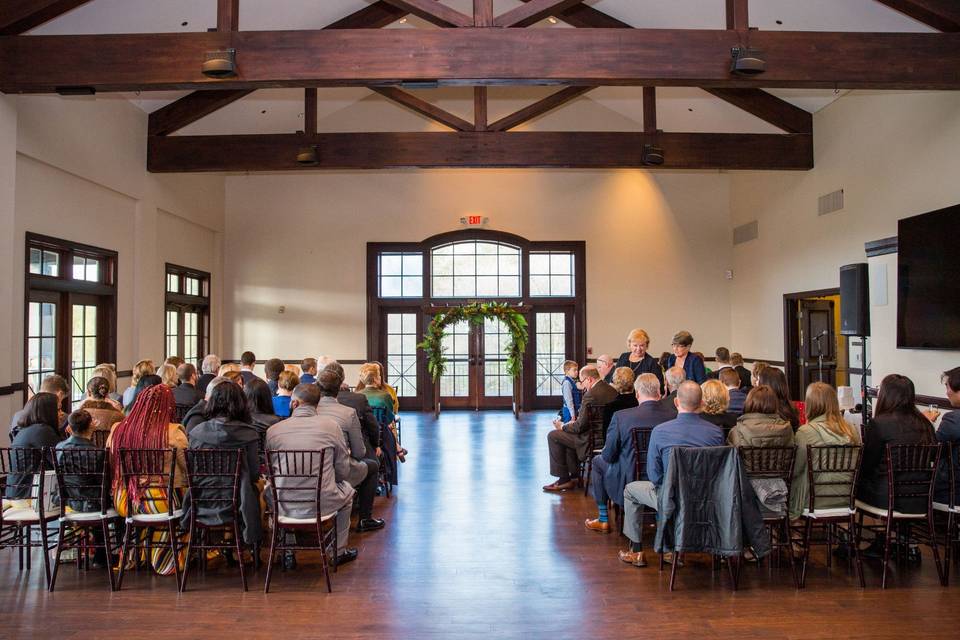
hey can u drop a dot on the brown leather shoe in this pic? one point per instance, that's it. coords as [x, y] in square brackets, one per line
[596, 525]
[633, 557]
[560, 486]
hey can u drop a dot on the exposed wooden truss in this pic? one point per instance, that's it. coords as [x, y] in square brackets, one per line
[538, 108]
[425, 108]
[943, 15]
[18, 16]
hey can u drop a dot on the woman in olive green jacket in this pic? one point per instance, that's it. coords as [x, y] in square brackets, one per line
[825, 426]
[761, 425]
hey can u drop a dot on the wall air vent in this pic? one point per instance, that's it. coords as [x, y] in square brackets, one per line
[830, 202]
[745, 233]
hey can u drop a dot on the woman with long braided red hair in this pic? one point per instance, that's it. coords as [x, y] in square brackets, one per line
[149, 425]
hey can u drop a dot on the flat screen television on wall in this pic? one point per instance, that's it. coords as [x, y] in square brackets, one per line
[928, 280]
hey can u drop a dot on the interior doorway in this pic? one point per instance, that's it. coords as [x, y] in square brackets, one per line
[813, 348]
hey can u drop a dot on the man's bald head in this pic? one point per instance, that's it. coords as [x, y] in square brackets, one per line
[689, 397]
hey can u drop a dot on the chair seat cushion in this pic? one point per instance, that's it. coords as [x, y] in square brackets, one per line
[939, 506]
[90, 516]
[20, 515]
[836, 512]
[877, 511]
[293, 521]
[148, 518]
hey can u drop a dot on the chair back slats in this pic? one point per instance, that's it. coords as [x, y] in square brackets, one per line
[152, 470]
[19, 466]
[832, 471]
[951, 470]
[597, 433]
[912, 470]
[769, 462]
[641, 443]
[213, 477]
[83, 476]
[99, 438]
[296, 478]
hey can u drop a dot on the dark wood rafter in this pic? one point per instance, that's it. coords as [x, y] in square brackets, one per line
[650, 110]
[538, 108]
[737, 15]
[363, 57]
[533, 11]
[943, 15]
[228, 15]
[483, 13]
[584, 16]
[768, 107]
[310, 111]
[191, 108]
[424, 108]
[375, 16]
[20, 16]
[548, 149]
[434, 12]
[480, 104]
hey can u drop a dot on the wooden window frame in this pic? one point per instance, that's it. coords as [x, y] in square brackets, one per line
[183, 303]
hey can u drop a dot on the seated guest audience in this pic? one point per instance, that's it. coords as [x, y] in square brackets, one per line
[186, 394]
[626, 397]
[637, 358]
[38, 426]
[286, 383]
[568, 442]
[227, 368]
[309, 368]
[102, 410]
[716, 401]
[228, 427]
[896, 421]
[383, 386]
[949, 431]
[374, 437]
[174, 361]
[691, 363]
[260, 404]
[723, 362]
[80, 423]
[168, 374]
[673, 378]
[745, 377]
[570, 392]
[731, 381]
[209, 369]
[145, 382]
[271, 369]
[149, 425]
[688, 429]
[758, 367]
[614, 468]
[363, 470]
[777, 380]
[109, 373]
[142, 368]
[371, 385]
[234, 377]
[825, 426]
[51, 384]
[247, 362]
[306, 430]
[198, 412]
[606, 367]
[761, 425]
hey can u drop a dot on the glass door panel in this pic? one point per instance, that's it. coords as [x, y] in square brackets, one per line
[83, 355]
[497, 387]
[41, 340]
[455, 387]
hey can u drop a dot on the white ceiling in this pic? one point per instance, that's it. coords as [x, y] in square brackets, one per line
[356, 109]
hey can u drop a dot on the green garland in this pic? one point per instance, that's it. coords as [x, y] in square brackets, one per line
[475, 313]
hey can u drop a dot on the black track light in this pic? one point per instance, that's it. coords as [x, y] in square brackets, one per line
[652, 155]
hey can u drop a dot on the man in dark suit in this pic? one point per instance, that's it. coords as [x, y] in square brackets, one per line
[673, 378]
[247, 362]
[746, 381]
[185, 394]
[568, 443]
[731, 381]
[614, 468]
[723, 362]
[209, 369]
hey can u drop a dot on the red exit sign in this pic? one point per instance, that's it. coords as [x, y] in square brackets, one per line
[474, 221]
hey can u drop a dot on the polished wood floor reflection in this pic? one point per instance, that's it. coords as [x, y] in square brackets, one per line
[474, 549]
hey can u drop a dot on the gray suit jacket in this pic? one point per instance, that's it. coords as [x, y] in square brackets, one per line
[349, 423]
[601, 394]
[304, 429]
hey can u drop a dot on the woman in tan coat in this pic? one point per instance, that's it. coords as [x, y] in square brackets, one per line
[101, 408]
[761, 424]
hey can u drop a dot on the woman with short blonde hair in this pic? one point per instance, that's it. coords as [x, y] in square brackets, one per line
[168, 373]
[141, 369]
[716, 401]
[637, 359]
[623, 379]
[372, 386]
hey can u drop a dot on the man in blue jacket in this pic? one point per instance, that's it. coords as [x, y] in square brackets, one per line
[613, 468]
[687, 430]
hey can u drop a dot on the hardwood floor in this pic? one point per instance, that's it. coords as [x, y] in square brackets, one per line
[474, 549]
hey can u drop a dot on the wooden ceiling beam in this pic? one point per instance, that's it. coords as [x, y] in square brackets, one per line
[768, 107]
[584, 16]
[538, 108]
[190, 108]
[483, 13]
[737, 15]
[20, 16]
[310, 111]
[480, 108]
[375, 16]
[943, 15]
[363, 57]
[434, 12]
[533, 12]
[547, 149]
[228, 15]
[650, 110]
[424, 108]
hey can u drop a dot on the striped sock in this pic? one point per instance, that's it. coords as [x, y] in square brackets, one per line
[602, 508]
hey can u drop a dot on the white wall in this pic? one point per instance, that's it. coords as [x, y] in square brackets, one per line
[657, 247]
[75, 169]
[895, 154]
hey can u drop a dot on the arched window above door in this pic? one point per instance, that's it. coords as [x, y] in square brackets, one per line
[475, 269]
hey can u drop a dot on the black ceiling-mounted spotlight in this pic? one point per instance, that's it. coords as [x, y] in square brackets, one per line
[307, 157]
[76, 91]
[220, 64]
[746, 61]
[652, 155]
